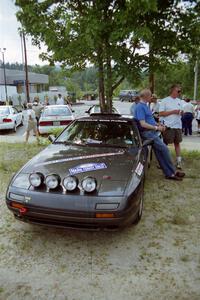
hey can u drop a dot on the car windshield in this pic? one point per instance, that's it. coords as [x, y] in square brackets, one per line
[108, 133]
[4, 111]
[56, 111]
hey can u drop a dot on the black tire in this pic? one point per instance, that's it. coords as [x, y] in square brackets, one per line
[139, 214]
[15, 127]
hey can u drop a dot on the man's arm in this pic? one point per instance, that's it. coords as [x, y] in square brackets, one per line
[170, 112]
[151, 127]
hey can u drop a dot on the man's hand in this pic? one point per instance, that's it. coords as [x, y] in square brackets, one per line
[161, 128]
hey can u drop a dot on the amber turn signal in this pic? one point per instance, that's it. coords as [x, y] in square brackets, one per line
[105, 215]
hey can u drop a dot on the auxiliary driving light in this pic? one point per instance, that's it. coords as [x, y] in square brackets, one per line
[89, 184]
[70, 183]
[36, 179]
[52, 181]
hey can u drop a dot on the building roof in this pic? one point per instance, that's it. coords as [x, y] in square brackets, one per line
[14, 77]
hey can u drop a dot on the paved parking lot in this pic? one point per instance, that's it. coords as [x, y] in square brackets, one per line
[189, 142]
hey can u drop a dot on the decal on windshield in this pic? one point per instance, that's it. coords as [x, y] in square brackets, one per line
[139, 169]
[79, 157]
[87, 168]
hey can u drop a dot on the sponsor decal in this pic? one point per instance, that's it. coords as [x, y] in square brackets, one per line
[139, 169]
[79, 158]
[87, 168]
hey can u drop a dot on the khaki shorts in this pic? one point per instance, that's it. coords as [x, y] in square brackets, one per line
[32, 125]
[172, 136]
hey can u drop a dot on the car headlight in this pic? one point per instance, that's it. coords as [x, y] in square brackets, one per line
[70, 183]
[52, 181]
[89, 184]
[36, 179]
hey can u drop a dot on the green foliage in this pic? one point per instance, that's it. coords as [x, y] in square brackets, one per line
[110, 35]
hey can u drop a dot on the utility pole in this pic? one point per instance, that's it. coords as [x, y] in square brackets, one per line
[26, 68]
[196, 80]
[4, 71]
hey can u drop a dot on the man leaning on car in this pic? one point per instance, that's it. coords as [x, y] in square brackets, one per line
[149, 130]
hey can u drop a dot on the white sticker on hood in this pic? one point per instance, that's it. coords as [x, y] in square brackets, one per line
[87, 168]
[139, 169]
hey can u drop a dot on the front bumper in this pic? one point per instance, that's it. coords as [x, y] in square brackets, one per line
[72, 211]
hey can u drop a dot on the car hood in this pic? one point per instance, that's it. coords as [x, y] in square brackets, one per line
[61, 159]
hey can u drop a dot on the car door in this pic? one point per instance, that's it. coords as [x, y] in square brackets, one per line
[17, 116]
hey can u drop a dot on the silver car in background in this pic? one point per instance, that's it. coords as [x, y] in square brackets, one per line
[55, 117]
[10, 118]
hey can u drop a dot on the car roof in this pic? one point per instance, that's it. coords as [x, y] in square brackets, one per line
[106, 116]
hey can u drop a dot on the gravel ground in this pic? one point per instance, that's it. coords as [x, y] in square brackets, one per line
[157, 259]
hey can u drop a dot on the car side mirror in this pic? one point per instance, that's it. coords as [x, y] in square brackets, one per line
[51, 138]
[87, 112]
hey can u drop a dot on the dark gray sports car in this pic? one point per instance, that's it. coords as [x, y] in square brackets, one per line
[90, 177]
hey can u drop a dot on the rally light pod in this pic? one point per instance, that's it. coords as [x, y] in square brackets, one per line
[89, 184]
[70, 183]
[36, 179]
[52, 181]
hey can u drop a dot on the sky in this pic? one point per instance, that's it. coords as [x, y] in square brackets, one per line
[10, 39]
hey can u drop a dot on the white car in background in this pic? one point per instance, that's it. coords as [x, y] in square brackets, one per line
[55, 117]
[95, 109]
[10, 118]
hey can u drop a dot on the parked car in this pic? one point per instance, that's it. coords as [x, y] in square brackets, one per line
[90, 177]
[54, 117]
[128, 95]
[94, 109]
[10, 118]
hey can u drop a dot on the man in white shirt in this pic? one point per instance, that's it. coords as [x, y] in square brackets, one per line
[171, 109]
[60, 100]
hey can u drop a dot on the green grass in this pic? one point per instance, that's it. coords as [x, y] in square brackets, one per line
[13, 157]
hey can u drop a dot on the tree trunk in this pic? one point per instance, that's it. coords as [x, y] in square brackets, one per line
[151, 72]
[109, 90]
[152, 82]
[101, 81]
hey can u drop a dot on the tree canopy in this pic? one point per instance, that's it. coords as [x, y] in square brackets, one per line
[121, 38]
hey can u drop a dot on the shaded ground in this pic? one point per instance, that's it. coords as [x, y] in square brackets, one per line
[158, 259]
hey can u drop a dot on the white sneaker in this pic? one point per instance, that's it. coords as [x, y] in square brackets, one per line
[178, 165]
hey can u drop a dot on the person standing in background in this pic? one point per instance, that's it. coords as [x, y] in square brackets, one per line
[171, 109]
[132, 108]
[188, 116]
[154, 106]
[60, 100]
[32, 123]
[197, 115]
[37, 107]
